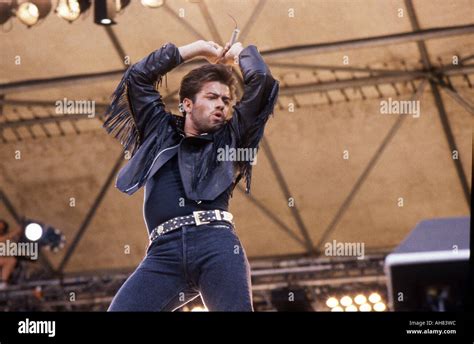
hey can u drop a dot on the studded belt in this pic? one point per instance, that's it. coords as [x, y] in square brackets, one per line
[197, 218]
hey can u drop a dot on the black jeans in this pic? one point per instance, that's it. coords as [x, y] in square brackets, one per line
[206, 260]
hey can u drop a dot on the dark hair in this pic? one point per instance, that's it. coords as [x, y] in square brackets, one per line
[5, 226]
[193, 81]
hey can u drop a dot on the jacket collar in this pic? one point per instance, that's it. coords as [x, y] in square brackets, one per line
[178, 124]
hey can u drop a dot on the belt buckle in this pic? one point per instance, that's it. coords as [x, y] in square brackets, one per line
[197, 219]
[228, 217]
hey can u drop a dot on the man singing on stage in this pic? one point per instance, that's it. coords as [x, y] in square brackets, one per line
[194, 249]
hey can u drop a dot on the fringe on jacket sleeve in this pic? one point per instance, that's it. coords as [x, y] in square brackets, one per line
[254, 134]
[119, 117]
[130, 128]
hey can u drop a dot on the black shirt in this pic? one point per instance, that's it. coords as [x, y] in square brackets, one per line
[166, 197]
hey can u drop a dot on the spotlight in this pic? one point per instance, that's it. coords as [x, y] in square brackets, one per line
[33, 231]
[379, 307]
[360, 299]
[346, 301]
[106, 10]
[337, 309]
[153, 3]
[70, 10]
[30, 12]
[365, 307]
[6, 12]
[332, 302]
[374, 298]
[46, 236]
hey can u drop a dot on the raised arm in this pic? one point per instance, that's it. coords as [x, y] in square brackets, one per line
[258, 101]
[137, 108]
[260, 94]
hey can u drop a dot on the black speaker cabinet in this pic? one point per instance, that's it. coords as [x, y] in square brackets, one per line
[429, 270]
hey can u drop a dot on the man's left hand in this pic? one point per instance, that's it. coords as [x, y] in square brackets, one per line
[211, 51]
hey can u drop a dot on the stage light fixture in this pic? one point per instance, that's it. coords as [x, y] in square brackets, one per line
[346, 301]
[30, 12]
[46, 236]
[70, 10]
[380, 307]
[360, 299]
[33, 231]
[153, 3]
[106, 10]
[374, 298]
[332, 302]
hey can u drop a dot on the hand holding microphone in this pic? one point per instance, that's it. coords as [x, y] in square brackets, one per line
[214, 53]
[230, 53]
[232, 49]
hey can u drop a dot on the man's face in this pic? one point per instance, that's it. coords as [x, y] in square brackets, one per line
[209, 112]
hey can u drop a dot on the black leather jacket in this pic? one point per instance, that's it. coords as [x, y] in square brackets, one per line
[138, 118]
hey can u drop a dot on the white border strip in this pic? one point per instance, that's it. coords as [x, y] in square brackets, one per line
[426, 257]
